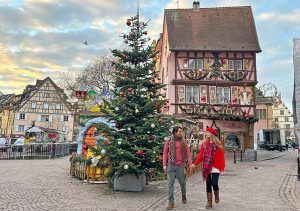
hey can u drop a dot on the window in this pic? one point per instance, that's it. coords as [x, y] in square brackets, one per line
[45, 118]
[192, 94]
[191, 63]
[47, 95]
[33, 104]
[281, 112]
[22, 116]
[66, 118]
[286, 119]
[276, 119]
[65, 129]
[223, 95]
[230, 65]
[46, 105]
[261, 113]
[57, 106]
[287, 126]
[199, 63]
[21, 128]
[239, 64]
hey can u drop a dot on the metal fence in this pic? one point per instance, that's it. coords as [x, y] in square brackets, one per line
[35, 150]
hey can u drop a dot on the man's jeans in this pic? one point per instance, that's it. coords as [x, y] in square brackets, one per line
[177, 170]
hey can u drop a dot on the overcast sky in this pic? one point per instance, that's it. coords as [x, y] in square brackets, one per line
[40, 38]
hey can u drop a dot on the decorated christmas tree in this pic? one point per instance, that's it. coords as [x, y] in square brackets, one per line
[141, 126]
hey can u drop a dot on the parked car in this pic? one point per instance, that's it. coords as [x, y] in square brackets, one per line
[18, 145]
[3, 146]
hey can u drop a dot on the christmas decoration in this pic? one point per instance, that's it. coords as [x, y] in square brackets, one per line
[139, 153]
[216, 66]
[136, 107]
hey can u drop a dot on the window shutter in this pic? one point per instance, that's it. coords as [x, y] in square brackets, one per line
[69, 119]
[17, 128]
[212, 94]
[203, 94]
[181, 93]
[17, 116]
[62, 118]
[50, 118]
[39, 118]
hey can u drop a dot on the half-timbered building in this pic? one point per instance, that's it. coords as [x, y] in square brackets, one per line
[45, 104]
[208, 61]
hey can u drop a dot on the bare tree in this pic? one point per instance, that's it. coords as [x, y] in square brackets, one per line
[98, 75]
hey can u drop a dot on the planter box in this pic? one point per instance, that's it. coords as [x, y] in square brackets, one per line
[129, 182]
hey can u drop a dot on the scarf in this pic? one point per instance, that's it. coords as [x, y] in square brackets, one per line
[208, 156]
[172, 149]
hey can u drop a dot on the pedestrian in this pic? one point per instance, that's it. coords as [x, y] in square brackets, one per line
[212, 156]
[176, 151]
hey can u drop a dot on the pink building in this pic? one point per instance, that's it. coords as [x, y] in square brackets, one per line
[208, 62]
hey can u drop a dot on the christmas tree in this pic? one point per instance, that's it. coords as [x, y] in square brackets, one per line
[136, 142]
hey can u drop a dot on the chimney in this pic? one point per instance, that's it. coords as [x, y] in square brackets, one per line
[196, 5]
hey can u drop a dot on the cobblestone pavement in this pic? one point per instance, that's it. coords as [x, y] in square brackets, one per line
[268, 184]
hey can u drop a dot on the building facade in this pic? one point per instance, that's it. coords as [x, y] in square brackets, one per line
[43, 104]
[283, 120]
[208, 62]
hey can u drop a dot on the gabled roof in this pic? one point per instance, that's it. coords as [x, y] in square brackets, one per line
[39, 83]
[212, 29]
[6, 99]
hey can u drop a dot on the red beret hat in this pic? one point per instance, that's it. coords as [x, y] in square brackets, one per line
[212, 130]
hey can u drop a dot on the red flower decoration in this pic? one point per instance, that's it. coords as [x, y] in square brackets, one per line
[85, 148]
[203, 99]
[156, 105]
[228, 105]
[158, 111]
[234, 101]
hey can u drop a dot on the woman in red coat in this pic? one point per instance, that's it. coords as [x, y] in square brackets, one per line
[212, 156]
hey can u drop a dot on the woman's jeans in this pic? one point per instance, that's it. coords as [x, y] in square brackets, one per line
[212, 181]
[177, 170]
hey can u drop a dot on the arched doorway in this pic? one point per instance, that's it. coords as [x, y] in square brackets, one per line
[232, 141]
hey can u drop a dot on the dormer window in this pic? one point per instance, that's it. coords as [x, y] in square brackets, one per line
[199, 63]
[239, 64]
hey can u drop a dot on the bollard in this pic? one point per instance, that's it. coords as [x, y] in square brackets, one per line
[241, 155]
[234, 158]
[298, 176]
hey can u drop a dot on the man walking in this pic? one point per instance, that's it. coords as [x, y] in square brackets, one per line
[176, 151]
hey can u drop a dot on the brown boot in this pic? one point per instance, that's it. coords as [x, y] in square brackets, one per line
[217, 199]
[184, 199]
[209, 200]
[170, 205]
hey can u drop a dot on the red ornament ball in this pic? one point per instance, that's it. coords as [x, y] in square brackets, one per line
[140, 153]
[156, 105]
[128, 22]
[152, 138]
[123, 55]
[130, 90]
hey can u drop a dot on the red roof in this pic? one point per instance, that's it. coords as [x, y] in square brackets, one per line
[212, 29]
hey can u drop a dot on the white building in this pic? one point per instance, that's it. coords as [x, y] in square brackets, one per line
[283, 120]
